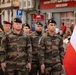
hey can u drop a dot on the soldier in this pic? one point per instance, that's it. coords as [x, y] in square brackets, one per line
[51, 51]
[17, 49]
[26, 28]
[5, 28]
[35, 36]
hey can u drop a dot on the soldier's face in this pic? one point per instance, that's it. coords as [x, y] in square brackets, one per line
[38, 27]
[17, 26]
[26, 29]
[51, 27]
[6, 27]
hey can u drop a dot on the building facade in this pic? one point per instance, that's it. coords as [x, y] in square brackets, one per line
[60, 10]
[30, 8]
[8, 9]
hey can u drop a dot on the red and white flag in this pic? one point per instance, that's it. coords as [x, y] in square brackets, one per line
[69, 61]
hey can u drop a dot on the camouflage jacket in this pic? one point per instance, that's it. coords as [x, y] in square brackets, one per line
[51, 49]
[16, 47]
[34, 41]
[1, 50]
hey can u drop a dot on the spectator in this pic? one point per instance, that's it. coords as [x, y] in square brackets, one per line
[63, 27]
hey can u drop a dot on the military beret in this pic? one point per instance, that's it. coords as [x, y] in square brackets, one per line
[51, 21]
[26, 24]
[39, 23]
[17, 20]
[6, 22]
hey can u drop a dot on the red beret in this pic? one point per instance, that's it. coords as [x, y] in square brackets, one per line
[6, 22]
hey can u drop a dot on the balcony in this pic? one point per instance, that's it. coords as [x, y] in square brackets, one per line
[27, 4]
[8, 4]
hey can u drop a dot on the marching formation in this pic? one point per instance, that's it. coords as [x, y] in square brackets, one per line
[27, 52]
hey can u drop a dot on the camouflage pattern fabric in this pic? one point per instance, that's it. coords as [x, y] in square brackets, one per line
[35, 60]
[1, 49]
[1, 52]
[51, 53]
[18, 52]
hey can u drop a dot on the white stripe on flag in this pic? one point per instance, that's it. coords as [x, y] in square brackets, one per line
[73, 39]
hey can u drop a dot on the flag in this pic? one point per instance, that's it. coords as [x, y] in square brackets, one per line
[69, 60]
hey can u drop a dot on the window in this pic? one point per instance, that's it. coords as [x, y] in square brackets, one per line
[8, 1]
[25, 4]
[3, 1]
[8, 15]
[0, 2]
[30, 3]
[20, 4]
[68, 18]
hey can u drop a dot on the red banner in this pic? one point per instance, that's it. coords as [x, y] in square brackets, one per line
[38, 17]
[49, 4]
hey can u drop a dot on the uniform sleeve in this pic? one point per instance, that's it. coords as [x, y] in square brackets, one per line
[61, 50]
[3, 49]
[29, 49]
[41, 49]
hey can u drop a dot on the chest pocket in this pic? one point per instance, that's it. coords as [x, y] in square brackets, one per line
[52, 44]
[35, 40]
[55, 44]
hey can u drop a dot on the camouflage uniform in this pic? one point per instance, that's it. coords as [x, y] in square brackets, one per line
[1, 35]
[35, 60]
[18, 52]
[1, 52]
[51, 53]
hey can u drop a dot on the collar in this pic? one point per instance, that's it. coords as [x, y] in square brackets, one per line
[20, 34]
[38, 33]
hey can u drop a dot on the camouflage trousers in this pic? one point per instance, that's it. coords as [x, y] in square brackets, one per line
[35, 68]
[53, 69]
[16, 69]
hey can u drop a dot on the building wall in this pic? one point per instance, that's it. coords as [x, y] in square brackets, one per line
[57, 8]
[56, 16]
[8, 7]
[59, 11]
[29, 10]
